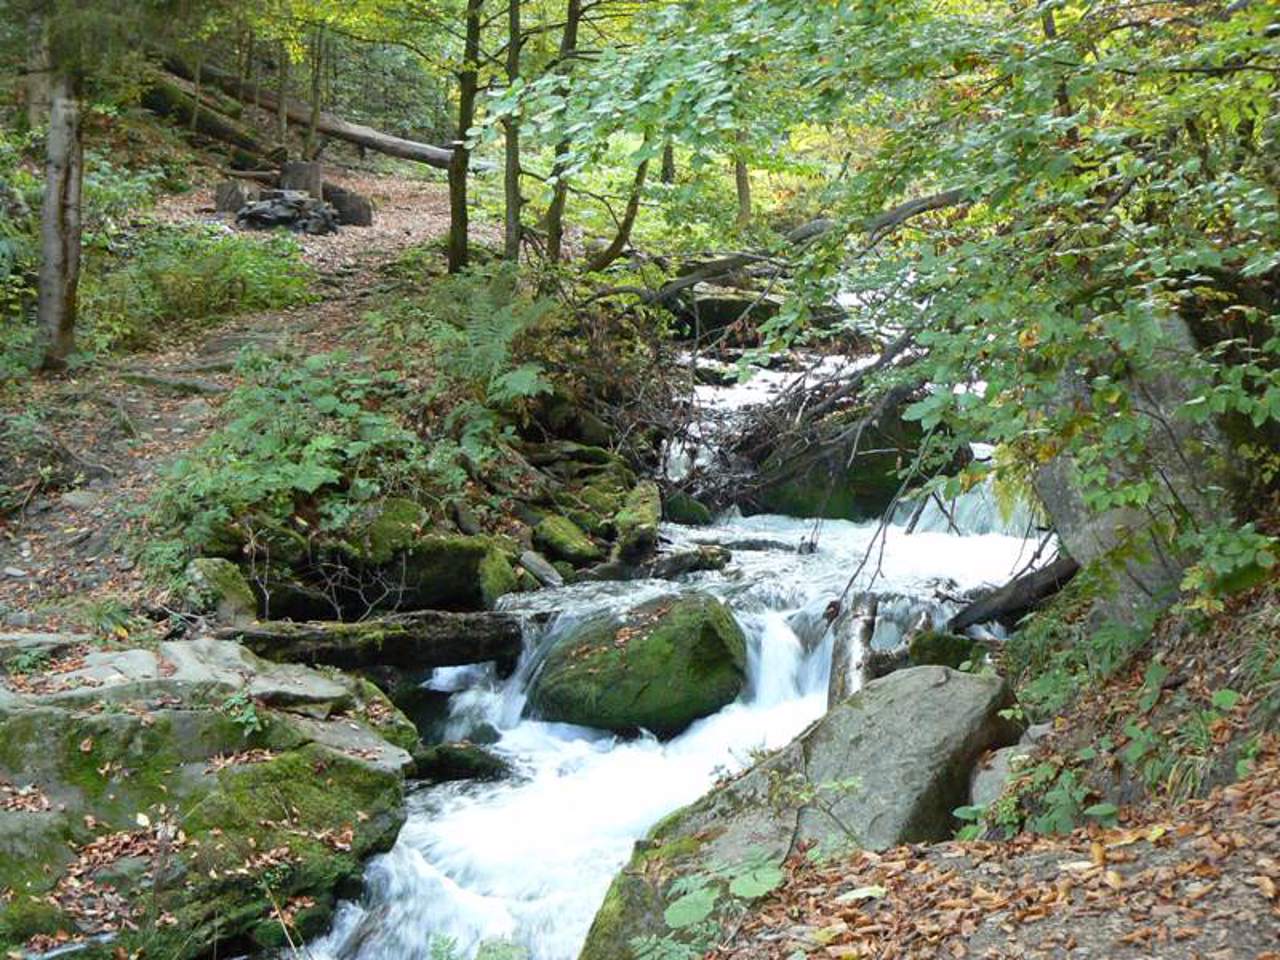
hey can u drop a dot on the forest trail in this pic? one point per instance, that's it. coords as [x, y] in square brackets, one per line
[117, 426]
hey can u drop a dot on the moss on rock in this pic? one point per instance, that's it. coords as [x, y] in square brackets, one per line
[218, 585]
[397, 523]
[564, 540]
[936, 648]
[682, 508]
[455, 572]
[637, 523]
[665, 664]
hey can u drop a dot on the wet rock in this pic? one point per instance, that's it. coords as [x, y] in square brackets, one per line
[658, 667]
[938, 648]
[989, 777]
[459, 761]
[887, 766]
[541, 569]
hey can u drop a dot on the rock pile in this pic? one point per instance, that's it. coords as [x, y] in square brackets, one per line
[293, 209]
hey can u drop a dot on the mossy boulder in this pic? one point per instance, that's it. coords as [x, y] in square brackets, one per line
[659, 667]
[682, 508]
[453, 573]
[562, 539]
[637, 523]
[394, 526]
[459, 761]
[205, 766]
[217, 585]
[937, 648]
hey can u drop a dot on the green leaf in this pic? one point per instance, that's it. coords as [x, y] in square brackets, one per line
[1101, 810]
[690, 909]
[1225, 699]
[756, 883]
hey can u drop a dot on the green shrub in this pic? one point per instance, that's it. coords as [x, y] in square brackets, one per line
[178, 279]
[304, 447]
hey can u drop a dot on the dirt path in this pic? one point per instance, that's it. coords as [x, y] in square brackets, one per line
[119, 424]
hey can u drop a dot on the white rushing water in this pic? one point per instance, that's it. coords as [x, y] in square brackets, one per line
[528, 860]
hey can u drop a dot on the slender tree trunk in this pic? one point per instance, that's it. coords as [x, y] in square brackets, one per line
[511, 173]
[742, 181]
[668, 163]
[468, 79]
[623, 236]
[38, 77]
[60, 225]
[317, 68]
[195, 109]
[282, 91]
[560, 192]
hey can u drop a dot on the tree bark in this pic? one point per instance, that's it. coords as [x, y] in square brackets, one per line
[623, 236]
[419, 641]
[282, 97]
[742, 182]
[1018, 597]
[60, 224]
[468, 80]
[168, 98]
[300, 113]
[560, 191]
[313, 121]
[38, 76]
[511, 172]
[668, 163]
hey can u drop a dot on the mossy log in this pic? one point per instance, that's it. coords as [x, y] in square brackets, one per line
[419, 641]
[167, 98]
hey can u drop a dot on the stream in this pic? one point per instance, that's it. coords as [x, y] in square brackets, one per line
[528, 860]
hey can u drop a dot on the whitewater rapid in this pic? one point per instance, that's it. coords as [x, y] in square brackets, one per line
[527, 861]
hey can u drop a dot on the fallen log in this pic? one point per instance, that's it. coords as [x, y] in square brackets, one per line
[417, 641]
[299, 113]
[167, 98]
[1018, 597]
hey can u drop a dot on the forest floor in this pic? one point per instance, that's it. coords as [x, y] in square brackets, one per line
[117, 425]
[1202, 884]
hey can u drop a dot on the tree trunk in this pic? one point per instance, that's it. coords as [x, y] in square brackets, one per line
[282, 97]
[623, 236]
[317, 67]
[742, 181]
[300, 113]
[668, 163]
[468, 79]
[303, 175]
[195, 97]
[560, 191]
[511, 173]
[167, 98]
[38, 75]
[1018, 597]
[418, 641]
[60, 225]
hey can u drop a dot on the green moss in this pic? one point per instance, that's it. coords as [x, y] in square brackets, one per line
[450, 572]
[25, 917]
[396, 526]
[667, 664]
[933, 647]
[496, 577]
[219, 585]
[637, 523]
[396, 729]
[682, 508]
[564, 540]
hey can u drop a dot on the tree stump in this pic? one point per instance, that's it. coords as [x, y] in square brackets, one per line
[231, 195]
[303, 175]
[354, 209]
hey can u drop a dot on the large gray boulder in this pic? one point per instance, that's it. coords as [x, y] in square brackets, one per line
[887, 766]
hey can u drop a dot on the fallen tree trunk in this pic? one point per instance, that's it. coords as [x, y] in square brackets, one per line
[301, 113]
[1018, 597]
[417, 641]
[167, 98]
